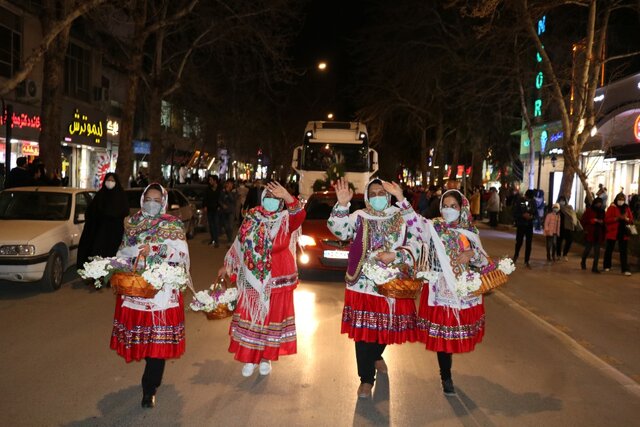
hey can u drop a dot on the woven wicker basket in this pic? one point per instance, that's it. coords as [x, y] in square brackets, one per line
[402, 288]
[491, 280]
[222, 310]
[132, 284]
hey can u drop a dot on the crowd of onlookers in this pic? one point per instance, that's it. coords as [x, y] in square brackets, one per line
[26, 174]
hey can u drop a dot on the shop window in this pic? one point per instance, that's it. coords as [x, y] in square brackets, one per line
[10, 43]
[77, 81]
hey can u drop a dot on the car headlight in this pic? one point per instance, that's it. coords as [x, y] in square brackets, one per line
[305, 241]
[17, 250]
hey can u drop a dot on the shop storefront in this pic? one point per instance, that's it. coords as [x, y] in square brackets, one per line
[85, 148]
[25, 134]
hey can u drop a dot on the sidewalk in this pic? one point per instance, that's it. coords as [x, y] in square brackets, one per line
[600, 312]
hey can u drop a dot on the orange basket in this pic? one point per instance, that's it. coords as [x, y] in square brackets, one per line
[402, 288]
[491, 280]
[132, 284]
[222, 310]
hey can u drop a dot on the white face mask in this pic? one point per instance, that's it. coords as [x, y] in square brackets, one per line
[110, 185]
[450, 214]
[152, 208]
[620, 202]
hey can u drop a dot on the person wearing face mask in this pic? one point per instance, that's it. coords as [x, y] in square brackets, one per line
[616, 219]
[104, 221]
[262, 262]
[372, 320]
[447, 322]
[594, 232]
[569, 224]
[151, 328]
[551, 231]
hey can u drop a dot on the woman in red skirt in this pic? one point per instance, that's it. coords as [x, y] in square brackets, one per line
[151, 328]
[449, 320]
[262, 260]
[372, 320]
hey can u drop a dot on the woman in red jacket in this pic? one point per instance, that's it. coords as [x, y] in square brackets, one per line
[594, 232]
[617, 218]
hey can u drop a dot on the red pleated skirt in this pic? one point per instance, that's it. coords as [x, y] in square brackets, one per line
[138, 334]
[439, 329]
[275, 338]
[366, 318]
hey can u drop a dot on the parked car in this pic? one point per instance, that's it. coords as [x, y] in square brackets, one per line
[178, 205]
[40, 229]
[195, 194]
[320, 249]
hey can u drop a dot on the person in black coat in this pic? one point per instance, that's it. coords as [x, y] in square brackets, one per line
[104, 221]
[19, 176]
[524, 214]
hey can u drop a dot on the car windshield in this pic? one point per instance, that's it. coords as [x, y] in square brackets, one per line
[35, 205]
[320, 208]
[134, 198]
[319, 156]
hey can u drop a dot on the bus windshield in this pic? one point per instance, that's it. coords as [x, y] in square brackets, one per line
[319, 156]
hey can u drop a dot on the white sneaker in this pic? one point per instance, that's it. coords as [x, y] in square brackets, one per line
[265, 367]
[607, 269]
[248, 368]
[627, 273]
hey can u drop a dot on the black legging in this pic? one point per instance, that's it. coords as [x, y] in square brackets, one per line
[608, 253]
[567, 236]
[152, 377]
[366, 356]
[524, 232]
[445, 360]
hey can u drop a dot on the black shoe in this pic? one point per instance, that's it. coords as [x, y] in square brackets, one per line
[595, 270]
[447, 388]
[148, 401]
[583, 265]
[527, 266]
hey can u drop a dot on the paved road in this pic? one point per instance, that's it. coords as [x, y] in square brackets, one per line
[531, 369]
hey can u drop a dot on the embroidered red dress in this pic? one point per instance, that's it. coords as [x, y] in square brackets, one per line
[151, 327]
[263, 260]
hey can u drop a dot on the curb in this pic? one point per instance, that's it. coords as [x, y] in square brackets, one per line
[583, 353]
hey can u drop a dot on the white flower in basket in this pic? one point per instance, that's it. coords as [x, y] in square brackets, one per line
[506, 265]
[208, 301]
[100, 269]
[428, 276]
[165, 274]
[468, 283]
[379, 274]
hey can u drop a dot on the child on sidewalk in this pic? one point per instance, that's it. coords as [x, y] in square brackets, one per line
[552, 231]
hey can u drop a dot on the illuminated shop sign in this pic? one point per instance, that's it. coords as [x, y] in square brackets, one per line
[636, 128]
[113, 127]
[19, 121]
[30, 149]
[81, 126]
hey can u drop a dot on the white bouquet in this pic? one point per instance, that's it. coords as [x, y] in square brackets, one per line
[100, 269]
[506, 265]
[428, 276]
[165, 274]
[468, 283]
[379, 274]
[208, 301]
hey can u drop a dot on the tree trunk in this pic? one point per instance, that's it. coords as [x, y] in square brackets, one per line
[52, 88]
[155, 135]
[424, 154]
[477, 160]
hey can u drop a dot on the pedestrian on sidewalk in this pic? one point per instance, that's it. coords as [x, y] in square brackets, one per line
[569, 224]
[262, 260]
[448, 323]
[552, 230]
[370, 319]
[524, 214]
[151, 328]
[616, 219]
[594, 232]
[226, 213]
[493, 207]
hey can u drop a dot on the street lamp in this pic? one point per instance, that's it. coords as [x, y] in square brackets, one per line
[330, 116]
[322, 66]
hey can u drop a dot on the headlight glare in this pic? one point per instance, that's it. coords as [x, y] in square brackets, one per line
[17, 250]
[305, 241]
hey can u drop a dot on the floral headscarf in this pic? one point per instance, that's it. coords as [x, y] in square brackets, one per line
[465, 220]
[165, 197]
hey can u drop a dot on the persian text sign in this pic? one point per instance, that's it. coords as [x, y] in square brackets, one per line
[19, 121]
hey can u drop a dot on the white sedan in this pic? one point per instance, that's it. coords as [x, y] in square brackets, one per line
[40, 229]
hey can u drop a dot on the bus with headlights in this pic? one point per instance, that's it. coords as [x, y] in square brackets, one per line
[333, 146]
